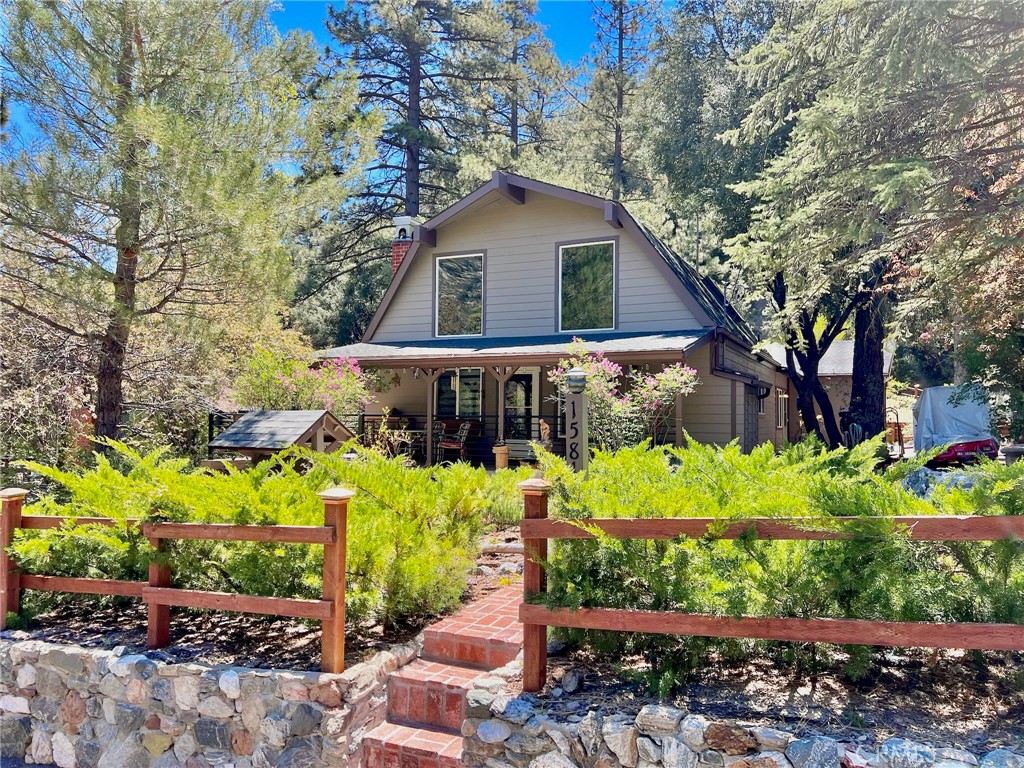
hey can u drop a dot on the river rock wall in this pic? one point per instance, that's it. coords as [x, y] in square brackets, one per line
[506, 731]
[87, 708]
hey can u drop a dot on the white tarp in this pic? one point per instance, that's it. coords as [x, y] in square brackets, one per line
[939, 422]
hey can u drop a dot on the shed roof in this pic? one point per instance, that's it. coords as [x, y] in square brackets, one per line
[488, 350]
[269, 430]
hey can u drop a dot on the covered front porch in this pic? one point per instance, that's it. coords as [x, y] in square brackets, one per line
[454, 399]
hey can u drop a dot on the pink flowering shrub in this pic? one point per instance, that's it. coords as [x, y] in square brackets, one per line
[278, 382]
[623, 407]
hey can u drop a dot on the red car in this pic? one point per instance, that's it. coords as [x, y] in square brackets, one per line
[967, 453]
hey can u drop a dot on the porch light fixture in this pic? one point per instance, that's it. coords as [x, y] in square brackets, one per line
[576, 380]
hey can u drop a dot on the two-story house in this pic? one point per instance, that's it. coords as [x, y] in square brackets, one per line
[488, 294]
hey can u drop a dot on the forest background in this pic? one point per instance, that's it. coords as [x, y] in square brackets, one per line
[185, 182]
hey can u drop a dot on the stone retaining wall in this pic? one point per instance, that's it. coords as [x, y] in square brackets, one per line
[85, 708]
[503, 731]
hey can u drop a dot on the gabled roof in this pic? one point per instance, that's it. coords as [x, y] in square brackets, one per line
[698, 292]
[837, 360]
[273, 430]
[704, 289]
[524, 349]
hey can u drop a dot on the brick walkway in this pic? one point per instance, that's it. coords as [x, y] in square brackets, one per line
[427, 698]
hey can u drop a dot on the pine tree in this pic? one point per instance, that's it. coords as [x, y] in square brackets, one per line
[621, 56]
[462, 87]
[143, 195]
[529, 97]
[901, 178]
[696, 94]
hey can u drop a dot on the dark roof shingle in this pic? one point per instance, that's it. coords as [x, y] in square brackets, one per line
[704, 290]
[267, 430]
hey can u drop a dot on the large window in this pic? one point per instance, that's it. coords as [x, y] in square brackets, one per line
[459, 301]
[458, 393]
[586, 282]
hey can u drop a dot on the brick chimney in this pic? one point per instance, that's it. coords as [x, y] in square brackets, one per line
[404, 228]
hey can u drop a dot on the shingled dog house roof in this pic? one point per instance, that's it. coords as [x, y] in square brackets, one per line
[266, 432]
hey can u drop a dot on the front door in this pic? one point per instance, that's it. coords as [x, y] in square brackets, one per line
[520, 403]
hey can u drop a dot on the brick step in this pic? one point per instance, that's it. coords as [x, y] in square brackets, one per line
[393, 745]
[430, 693]
[486, 634]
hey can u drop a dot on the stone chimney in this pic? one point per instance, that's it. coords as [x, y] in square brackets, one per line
[404, 228]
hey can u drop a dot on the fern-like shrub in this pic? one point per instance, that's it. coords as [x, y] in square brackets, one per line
[878, 574]
[412, 533]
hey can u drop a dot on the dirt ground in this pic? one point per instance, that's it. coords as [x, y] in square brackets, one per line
[215, 637]
[948, 699]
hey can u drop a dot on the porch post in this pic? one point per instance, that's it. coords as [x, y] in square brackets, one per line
[431, 375]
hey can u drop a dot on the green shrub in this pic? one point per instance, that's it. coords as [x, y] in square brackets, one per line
[412, 533]
[879, 574]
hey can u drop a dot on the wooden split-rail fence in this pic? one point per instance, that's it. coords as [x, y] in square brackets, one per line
[537, 529]
[160, 596]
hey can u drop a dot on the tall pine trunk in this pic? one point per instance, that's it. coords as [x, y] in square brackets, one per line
[620, 98]
[414, 142]
[513, 116]
[867, 396]
[110, 373]
[810, 392]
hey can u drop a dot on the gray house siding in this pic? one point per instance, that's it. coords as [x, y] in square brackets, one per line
[709, 413]
[520, 291]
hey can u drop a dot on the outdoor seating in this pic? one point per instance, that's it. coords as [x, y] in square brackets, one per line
[456, 442]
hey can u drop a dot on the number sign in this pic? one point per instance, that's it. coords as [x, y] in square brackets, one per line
[577, 442]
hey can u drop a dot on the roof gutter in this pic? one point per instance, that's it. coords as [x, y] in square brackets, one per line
[477, 359]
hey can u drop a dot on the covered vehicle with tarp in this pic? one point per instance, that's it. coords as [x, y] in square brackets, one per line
[957, 417]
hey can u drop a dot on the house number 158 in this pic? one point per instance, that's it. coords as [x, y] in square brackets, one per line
[577, 449]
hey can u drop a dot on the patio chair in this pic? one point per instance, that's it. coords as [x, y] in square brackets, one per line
[456, 442]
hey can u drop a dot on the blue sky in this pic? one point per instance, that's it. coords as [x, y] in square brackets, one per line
[568, 23]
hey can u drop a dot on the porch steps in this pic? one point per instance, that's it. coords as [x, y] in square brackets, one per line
[427, 698]
[431, 693]
[485, 634]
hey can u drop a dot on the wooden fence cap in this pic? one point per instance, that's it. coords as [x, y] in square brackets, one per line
[13, 493]
[534, 484]
[336, 494]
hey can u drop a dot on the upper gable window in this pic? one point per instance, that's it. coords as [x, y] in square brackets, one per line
[459, 295]
[586, 276]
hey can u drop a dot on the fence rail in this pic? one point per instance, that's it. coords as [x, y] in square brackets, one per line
[537, 529]
[158, 593]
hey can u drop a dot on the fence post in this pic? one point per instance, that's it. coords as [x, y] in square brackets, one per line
[158, 617]
[11, 500]
[535, 636]
[332, 643]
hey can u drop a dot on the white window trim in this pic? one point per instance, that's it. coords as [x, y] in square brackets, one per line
[761, 410]
[781, 408]
[615, 284]
[437, 293]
